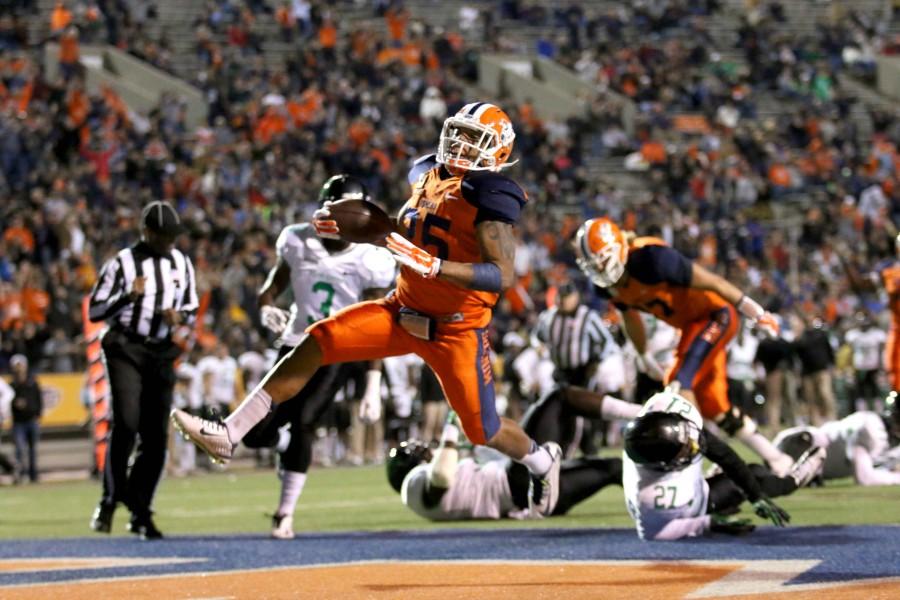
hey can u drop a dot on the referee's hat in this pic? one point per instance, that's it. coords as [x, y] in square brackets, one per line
[161, 217]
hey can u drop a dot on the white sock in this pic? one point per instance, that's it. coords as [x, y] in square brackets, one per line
[291, 487]
[450, 434]
[613, 408]
[252, 410]
[538, 460]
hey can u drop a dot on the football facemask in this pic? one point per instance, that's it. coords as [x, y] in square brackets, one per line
[601, 251]
[477, 138]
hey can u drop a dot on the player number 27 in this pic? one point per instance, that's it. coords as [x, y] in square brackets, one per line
[662, 493]
[324, 308]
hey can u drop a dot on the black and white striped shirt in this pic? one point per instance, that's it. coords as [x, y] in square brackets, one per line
[169, 284]
[575, 340]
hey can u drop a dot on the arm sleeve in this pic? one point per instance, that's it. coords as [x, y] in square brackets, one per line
[189, 302]
[677, 529]
[109, 295]
[736, 469]
[497, 197]
[660, 264]
[865, 473]
[539, 334]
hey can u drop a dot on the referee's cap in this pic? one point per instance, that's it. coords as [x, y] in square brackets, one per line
[161, 217]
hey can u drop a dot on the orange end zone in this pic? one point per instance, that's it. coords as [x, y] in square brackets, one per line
[439, 581]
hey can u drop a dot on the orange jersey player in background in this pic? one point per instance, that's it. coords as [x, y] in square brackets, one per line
[887, 275]
[644, 274]
[890, 278]
[457, 255]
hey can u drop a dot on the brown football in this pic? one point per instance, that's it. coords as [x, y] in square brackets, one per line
[361, 221]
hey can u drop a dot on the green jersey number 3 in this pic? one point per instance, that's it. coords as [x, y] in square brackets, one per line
[322, 287]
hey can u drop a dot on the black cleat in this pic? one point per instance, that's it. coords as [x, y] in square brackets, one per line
[101, 520]
[145, 528]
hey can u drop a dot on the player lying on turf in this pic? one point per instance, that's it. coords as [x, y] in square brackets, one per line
[457, 255]
[666, 492]
[643, 274]
[864, 445]
[440, 487]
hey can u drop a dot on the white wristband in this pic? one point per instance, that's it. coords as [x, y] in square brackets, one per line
[751, 309]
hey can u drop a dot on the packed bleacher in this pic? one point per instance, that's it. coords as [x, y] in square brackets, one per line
[75, 167]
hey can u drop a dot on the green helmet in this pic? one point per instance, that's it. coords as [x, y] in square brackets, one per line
[403, 459]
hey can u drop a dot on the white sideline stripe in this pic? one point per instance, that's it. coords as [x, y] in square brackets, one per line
[763, 577]
[739, 585]
[99, 562]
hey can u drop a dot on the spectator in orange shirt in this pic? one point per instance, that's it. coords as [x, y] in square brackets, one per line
[397, 17]
[286, 21]
[60, 18]
[328, 39]
[69, 52]
[19, 239]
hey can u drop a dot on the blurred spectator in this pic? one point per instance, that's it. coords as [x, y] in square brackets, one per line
[867, 343]
[742, 376]
[777, 358]
[220, 375]
[27, 406]
[60, 18]
[7, 394]
[816, 356]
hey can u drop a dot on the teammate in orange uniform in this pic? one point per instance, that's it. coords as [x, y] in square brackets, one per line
[887, 275]
[644, 274]
[456, 257]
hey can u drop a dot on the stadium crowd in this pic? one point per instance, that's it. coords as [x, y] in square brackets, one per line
[75, 167]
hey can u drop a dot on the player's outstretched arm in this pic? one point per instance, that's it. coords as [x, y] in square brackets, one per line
[496, 273]
[272, 317]
[707, 280]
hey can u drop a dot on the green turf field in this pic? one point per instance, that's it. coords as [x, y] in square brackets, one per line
[356, 498]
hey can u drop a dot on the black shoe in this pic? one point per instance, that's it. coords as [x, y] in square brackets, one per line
[144, 527]
[101, 521]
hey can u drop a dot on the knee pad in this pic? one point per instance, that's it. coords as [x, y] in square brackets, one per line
[735, 422]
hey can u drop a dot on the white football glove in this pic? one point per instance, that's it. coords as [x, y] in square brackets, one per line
[370, 406]
[325, 226]
[408, 254]
[651, 367]
[274, 319]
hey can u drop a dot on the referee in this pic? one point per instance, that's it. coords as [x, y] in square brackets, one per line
[575, 337]
[581, 349]
[144, 293]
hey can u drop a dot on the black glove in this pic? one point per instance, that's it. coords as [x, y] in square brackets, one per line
[766, 509]
[730, 526]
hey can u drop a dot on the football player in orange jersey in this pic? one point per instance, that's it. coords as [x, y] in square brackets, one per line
[644, 274]
[888, 275]
[456, 246]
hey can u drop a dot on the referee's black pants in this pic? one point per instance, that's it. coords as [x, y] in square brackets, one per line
[142, 380]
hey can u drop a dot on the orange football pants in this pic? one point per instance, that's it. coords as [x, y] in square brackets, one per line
[459, 357]
[701, 360]
[892, 356]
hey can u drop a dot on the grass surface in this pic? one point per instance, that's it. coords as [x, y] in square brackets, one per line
[348, 498]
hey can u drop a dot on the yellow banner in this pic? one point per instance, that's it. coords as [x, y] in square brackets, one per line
[61, 394]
